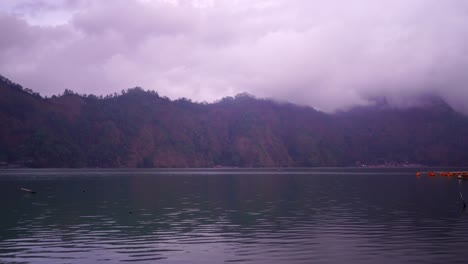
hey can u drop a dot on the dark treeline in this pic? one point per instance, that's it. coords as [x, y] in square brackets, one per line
[138, 128]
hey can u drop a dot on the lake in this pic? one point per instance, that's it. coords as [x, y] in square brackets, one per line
[343, 215]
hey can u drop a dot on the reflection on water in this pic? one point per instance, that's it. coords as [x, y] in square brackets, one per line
[318, 216]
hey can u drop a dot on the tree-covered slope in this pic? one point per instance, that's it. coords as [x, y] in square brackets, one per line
[142, 129]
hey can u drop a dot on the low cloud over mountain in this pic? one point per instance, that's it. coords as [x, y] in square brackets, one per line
[328, 54]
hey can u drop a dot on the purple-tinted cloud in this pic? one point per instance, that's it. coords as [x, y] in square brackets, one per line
[328, 54]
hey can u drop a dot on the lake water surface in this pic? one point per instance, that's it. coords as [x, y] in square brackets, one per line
[222, 216]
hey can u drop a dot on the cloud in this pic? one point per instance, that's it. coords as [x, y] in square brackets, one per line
[328, 54]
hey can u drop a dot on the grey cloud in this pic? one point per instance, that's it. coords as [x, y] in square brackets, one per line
[328, 54]
[14, 31]
[133, 19]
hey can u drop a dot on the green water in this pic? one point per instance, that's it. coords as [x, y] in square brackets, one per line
[245, 216]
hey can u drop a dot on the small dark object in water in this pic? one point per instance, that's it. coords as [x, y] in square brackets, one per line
[84, 191]
[130, 212]
[463, 200]
[27, 190]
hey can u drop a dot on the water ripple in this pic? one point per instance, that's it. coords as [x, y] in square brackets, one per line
[297, 218]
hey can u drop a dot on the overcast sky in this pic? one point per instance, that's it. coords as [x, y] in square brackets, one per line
[329, 54]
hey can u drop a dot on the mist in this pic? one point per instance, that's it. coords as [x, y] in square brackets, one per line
[326, 54]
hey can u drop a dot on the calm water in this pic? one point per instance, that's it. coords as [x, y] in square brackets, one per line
[216, 216]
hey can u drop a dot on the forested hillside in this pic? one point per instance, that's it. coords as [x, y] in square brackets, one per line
[138, 128]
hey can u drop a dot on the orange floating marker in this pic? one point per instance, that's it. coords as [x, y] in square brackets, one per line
[418, 174]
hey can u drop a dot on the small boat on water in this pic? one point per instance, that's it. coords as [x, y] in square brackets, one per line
[27, 190]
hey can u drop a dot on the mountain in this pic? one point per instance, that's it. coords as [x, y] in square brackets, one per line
[139, 128]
